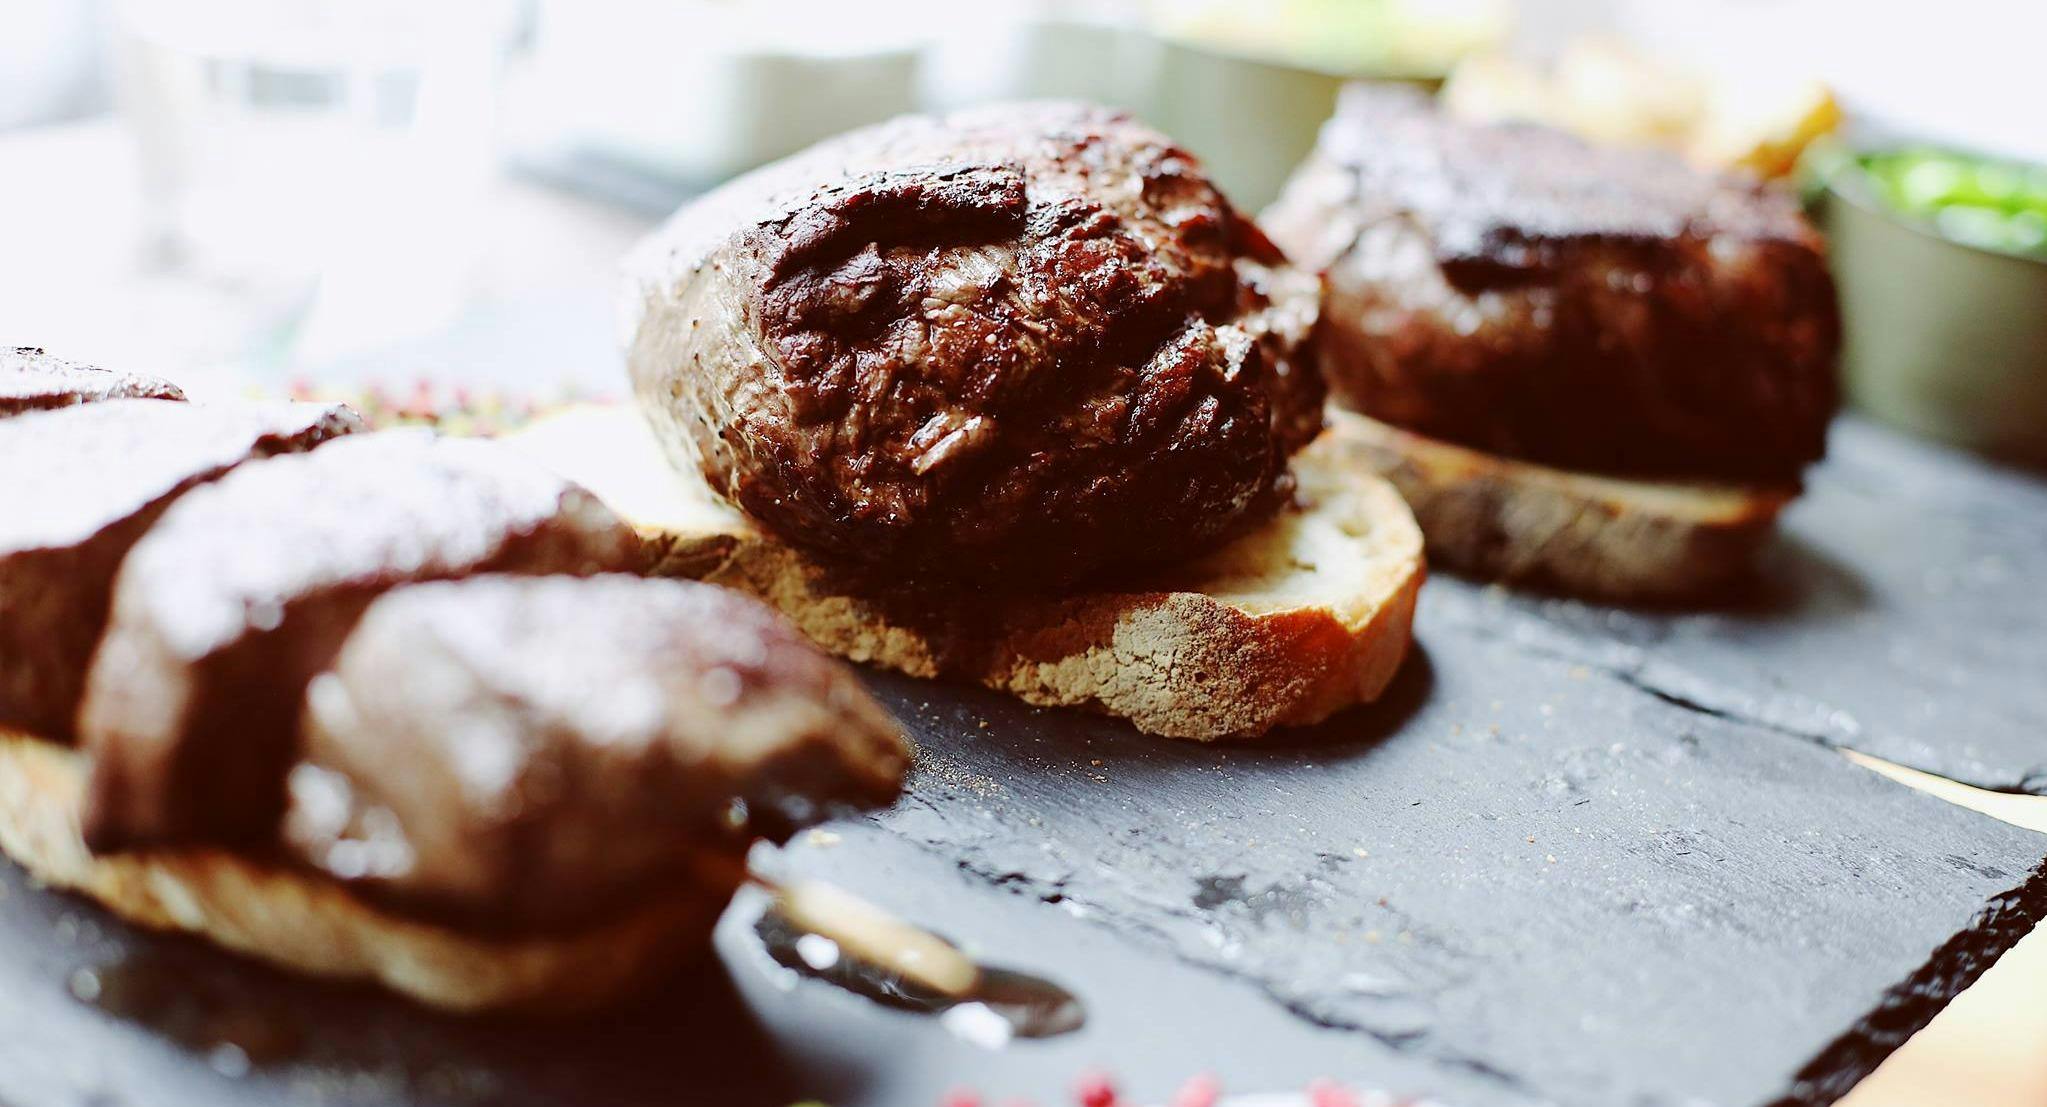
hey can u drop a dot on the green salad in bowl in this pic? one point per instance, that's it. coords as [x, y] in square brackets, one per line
[1941, 261]
[1992, 204]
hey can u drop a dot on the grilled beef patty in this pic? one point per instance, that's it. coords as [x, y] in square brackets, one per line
[1510, 288]
[1019, 347]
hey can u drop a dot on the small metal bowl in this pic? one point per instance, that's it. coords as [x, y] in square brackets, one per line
[1942, 338]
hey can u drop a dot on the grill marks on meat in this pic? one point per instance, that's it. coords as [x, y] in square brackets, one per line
[527, 753]
[1513, 289]
[1022, 346]
[31, 380]
[893, 206]
[243, 590]
[82, 484]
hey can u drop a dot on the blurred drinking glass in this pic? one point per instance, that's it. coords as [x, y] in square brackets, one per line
[332, 152]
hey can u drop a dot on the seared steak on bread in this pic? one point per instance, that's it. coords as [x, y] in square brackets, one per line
[81, 485]
[638, 788]
[998, 395]
[244, 590]
[1510, 288]
[1516, 292]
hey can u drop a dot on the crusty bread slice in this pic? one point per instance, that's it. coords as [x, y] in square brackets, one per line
[1305, 615]
[1601, 537]
[312, 925]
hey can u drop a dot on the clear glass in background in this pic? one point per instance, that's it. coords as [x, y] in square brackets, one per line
[323, 160]
[695, 91]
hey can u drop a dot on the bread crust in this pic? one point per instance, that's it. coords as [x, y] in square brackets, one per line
[310, 924]
[1608, 538]
[1305, 615]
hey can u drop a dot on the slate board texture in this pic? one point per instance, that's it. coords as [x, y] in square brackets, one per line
[1902, 611]
[1714, 908]
[1705, 909]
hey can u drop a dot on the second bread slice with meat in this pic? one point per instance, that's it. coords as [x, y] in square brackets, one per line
[1297, 619]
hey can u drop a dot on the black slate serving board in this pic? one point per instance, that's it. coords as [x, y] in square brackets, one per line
[1714, 908]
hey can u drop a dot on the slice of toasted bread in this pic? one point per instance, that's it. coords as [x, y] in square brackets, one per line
[1601, 537]
[311, 924]
[1303, 616]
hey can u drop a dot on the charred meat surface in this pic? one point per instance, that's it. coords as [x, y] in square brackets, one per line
[1510, 288]
[526, 753]
[244, 589]
[81, 485]
[31, 380]
[1018, 346]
